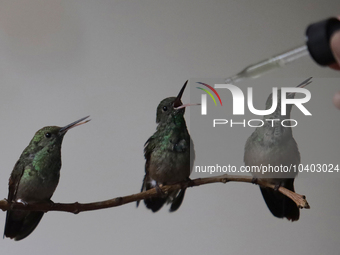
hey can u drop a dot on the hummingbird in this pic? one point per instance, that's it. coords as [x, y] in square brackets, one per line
[169, 153]
[34, 178]
[274, 144]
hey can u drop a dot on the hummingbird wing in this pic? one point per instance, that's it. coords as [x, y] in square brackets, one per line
[14, 180]
[149, 146]
[154, 203]
[19, 224]
[13, 184]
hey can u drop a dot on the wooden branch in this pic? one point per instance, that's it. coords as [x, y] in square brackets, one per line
[76, 207]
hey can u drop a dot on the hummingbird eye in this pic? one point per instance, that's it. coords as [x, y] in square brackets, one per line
[165, 108]
[48, 135]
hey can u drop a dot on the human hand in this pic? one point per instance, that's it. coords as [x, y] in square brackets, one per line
[335, 46]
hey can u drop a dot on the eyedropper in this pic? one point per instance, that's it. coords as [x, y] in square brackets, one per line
[317, 46]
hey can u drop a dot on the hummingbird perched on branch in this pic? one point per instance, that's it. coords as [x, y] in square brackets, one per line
[169, 153]
[34, 178]
[273, 144]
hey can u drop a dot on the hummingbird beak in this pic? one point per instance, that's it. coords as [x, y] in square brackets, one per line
[305, 83]
[63, 130]
[178, 101]
[302, 85]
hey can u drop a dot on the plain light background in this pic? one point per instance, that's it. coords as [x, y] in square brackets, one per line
[116, 60]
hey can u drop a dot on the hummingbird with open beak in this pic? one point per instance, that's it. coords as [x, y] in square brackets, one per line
[169, 153]
[273, 144]
[34, 178]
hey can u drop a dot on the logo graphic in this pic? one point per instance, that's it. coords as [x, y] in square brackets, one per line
[280, 99]
[204, 97]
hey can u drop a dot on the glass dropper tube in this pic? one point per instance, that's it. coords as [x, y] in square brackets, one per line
[256, 70]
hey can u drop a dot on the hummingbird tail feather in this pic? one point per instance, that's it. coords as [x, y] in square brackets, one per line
[280, 205]
[292, 211]
[177, 201]
[20, 224]
[155, 203]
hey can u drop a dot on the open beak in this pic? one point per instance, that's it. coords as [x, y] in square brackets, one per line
[302, 85]
[305, 83]
[73, 124]
[178, 101]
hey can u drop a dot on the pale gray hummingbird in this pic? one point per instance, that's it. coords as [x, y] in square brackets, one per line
[273, 144]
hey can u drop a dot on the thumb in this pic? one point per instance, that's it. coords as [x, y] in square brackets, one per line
[335, 46]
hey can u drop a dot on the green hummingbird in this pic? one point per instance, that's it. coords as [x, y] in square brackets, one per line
[169, 153]
[35, 177]
[273, 144]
